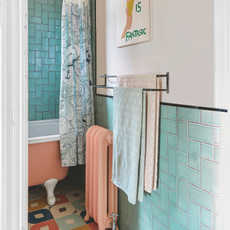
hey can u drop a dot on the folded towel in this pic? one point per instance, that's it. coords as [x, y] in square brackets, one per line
[129, 141]
[152, 122]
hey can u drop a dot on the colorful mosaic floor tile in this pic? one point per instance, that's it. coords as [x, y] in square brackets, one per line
[67, 213]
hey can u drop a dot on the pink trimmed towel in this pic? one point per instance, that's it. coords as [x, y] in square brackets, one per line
[152, 122]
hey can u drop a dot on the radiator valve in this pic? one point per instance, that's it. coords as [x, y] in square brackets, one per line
[114, 220]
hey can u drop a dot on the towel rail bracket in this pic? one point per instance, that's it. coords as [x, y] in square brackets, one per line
[145, 89]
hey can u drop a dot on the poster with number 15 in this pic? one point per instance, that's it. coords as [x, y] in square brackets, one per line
[133, 22]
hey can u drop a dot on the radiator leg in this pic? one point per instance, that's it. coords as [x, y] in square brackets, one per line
[50, 186]
[87, 216]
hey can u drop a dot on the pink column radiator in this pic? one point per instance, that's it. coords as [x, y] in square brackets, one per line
[101, 194]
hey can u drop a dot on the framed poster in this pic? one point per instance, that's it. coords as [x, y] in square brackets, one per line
[133, 22]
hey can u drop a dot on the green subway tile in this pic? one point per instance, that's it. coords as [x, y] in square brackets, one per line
[188, 174]
[183, 157]
[30, 12]
[31, 112]
[34, 47]
[52, 78]
[217, 136]
[148, 212]
[207, 151]
[200, 197]
[52, 52]
[55, 42]
[47, 34]
[57, 101]
[54, 15]
[38, 116]
[194, 216]
[206, 217]
[168, 180]
[188, 114]
[45, 71]
[31, 57]
[215, 222]
[194, 147]
[31, 30]
[58, 5]
[36, 20]
[51, 2]
[34, 74]
[38, 91]
[58, 48]
[48, 8]
[172, 112]
[45, 98]
[57, 111]
[38, 37]
[45, 17]
[49, 88]
[206, 117]
[182, 195]
[172, 197]
[48, 115]
[164, 198]
[41, 27]
[45, 44]
[155, 224]
[182, 137]
[58, 22]
[172, 141]
[201, 133]
[163, 145]
[216, 204]
[143, 225]
[168, 126]
[51, 25]
[55, 94]
[217, 118]
[160, 215]
[38, 64]
[58, 57]
[177, 215]
[204, 228]
[172, 161]
[48, 61]
[52, 104]
[162, 227]
[209, 176]
[194, 161]
[175, 226]
[154, 198]
[58, 74]
[42, 81]
[163, 164]
[41, 54]
[57, 82]
[31, 85]
[31, 4]
[31, 95]
[38, 10]
[42, 108]
[41, 1]
[55, 68]
[35, 102]
[31, 40]
[58, 32]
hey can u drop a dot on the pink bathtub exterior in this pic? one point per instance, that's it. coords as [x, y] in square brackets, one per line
[45, 163]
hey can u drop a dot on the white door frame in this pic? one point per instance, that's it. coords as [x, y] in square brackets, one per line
[13, 114]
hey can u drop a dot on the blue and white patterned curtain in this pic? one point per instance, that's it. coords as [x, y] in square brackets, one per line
[76, 92]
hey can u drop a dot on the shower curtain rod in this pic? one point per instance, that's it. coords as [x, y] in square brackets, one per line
[109, 87]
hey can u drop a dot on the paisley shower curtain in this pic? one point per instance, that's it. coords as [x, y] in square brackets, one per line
[76, 113]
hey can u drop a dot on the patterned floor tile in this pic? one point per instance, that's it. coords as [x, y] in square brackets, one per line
[93, 226]
[82, 228]
[39, 216]
[61, 210]
[34, 205]
[77, 194]
[91, 220]
[34, 195]
[79, 205]
[60, 199]
[47, 225]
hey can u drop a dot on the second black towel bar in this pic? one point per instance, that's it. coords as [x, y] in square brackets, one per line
[159, 75]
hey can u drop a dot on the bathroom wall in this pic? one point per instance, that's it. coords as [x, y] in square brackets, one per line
[44, 58]
[187, 196]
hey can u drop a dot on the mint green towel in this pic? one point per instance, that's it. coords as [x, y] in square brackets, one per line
[129, 114]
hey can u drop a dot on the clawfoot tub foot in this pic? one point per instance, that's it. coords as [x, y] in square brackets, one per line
[50, 186]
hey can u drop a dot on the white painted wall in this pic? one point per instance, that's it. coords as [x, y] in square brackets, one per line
[182, 43]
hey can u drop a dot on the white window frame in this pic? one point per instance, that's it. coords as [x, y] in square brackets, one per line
[13, 114]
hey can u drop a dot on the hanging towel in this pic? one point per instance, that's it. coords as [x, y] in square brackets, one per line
[152, 122]
[129, 141]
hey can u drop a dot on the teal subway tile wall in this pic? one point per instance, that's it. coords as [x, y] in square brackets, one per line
[187, 196]
[44, 58]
